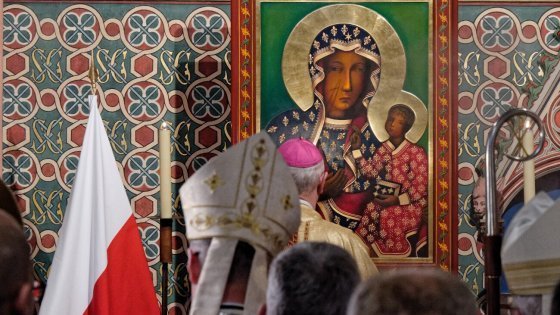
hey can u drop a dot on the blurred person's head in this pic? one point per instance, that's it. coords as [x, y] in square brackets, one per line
[15, 269]
[311, 278]
[413, 291]
[555, 305]
[8, 202]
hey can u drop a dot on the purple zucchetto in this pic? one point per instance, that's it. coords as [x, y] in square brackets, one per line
[300, 153]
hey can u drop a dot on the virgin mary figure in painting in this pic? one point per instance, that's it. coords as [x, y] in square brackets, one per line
[333, 67]
[344, 66]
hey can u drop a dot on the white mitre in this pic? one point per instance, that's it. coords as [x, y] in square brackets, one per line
[531, 247]
[246, 193]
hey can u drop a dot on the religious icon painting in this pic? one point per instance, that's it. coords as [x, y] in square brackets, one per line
[369, 84]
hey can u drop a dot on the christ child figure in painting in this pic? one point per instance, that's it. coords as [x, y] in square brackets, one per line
[391, 219]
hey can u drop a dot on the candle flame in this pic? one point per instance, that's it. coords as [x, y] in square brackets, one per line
[165, 125]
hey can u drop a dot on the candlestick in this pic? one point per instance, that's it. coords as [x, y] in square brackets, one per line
[165, 170]
[528, 166]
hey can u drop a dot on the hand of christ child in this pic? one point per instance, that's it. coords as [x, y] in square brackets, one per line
[386, 200]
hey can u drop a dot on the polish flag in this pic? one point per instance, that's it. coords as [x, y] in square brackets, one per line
[99, 266]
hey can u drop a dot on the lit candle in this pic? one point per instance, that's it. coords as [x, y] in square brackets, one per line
[165, 170]
[528, 166]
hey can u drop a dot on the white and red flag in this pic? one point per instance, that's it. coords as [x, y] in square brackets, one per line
[99, 266]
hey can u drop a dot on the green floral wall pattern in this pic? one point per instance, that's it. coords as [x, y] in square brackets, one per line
[164, 61]
[505, 52]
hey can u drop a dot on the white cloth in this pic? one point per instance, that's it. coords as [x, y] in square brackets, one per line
[99, 251]
[531, 247]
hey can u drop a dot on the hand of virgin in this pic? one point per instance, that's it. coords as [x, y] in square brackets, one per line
[334, 185]
[355, 141]
[386, 200]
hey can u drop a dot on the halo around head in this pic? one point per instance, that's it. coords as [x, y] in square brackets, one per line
[296, 52]
[420, 112]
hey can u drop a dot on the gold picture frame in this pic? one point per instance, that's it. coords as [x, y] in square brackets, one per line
[260, 27]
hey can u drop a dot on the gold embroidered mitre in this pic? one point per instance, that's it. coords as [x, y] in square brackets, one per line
[246, 193]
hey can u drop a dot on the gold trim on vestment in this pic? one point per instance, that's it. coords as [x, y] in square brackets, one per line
[533, 277]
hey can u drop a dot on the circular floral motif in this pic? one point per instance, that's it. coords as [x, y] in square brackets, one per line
[19, 28]
[79, 28]
[496, 31]
[19, 99]
[207, 29]
[74, 99]
[495, 99]
[144, 30]
[550, 31]
[141, 171]
[207, 101]
[144, 101]
[20, 169]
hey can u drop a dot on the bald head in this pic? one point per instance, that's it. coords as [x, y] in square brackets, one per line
[15, 269]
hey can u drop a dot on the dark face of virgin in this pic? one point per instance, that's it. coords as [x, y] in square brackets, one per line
[345, 80]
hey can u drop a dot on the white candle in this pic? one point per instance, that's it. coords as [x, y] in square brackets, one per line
[528, 167]
[165, 170]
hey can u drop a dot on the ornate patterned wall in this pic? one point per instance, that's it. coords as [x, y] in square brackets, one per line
[164, 61]
[504, 52]
[172, 62]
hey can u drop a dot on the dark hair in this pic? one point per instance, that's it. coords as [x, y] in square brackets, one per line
[8, 203]
[15, 266]
[409, 116]
[311, 278]
[413, 291]
[555, 305]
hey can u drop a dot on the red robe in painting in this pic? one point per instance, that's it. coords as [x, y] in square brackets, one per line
[386, 230]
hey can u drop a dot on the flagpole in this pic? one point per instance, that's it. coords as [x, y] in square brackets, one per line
[93, 75]
[99, 263]
[166, 212]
